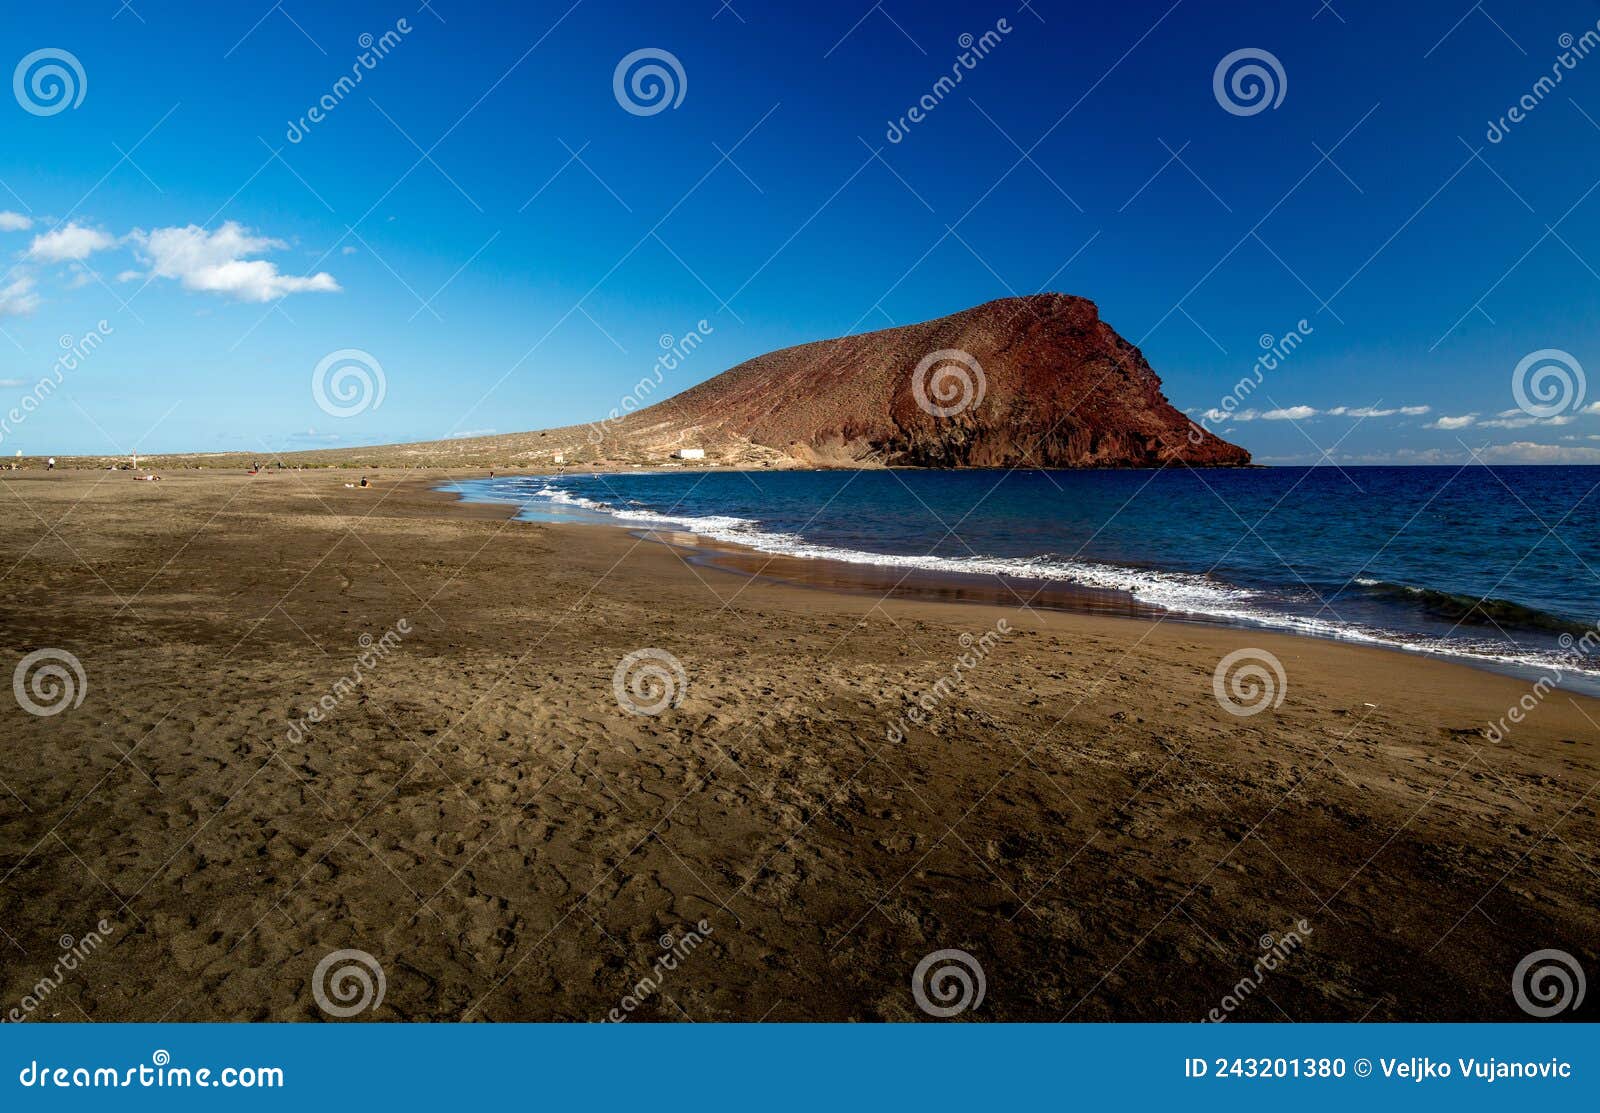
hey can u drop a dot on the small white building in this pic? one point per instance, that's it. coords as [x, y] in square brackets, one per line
[689, 454]
[559, 459]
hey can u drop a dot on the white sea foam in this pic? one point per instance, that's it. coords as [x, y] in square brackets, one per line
[708, 526]
[1179, 592]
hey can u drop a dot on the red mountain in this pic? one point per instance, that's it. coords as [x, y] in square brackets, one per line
[1035, 381]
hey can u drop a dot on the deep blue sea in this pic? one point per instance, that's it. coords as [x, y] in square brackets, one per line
[1495, 565]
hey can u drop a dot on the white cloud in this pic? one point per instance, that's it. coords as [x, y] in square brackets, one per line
[68, 243]
[1527, 452]
[215, 262]
[18, 299]
[1411, 456]
[1518, 452]
[1373, 411]
[14, 222]
[1522, 420]
[130, 276]
[1452, 422]
[8, 384]
[1301, 413]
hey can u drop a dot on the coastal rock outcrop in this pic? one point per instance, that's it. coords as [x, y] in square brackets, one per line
[1029, 382]
[1036, 381]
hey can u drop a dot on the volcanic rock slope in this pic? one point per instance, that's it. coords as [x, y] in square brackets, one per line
[1035, 381]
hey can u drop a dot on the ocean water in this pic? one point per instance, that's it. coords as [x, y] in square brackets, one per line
[1497, 566]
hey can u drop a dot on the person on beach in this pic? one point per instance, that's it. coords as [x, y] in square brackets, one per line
[50, 464]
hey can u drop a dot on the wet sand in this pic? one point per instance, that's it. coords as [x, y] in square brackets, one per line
[478, 812]
[903, 583]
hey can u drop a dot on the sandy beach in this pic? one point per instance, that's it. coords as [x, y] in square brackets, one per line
[479, 812]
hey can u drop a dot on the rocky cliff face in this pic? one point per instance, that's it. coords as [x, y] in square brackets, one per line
[1037, 381]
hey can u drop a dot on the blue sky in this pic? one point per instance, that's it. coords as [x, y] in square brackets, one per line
[483, 216]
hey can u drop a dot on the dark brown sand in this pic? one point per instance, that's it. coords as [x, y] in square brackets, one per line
[478, 813]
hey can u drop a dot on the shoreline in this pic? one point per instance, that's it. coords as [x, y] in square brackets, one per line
[841, 786]
[902, 581]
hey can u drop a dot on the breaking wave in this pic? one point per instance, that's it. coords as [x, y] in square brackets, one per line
[1182, 593]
